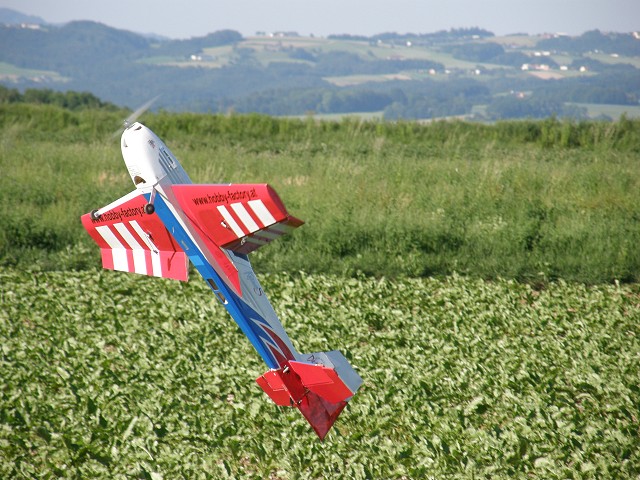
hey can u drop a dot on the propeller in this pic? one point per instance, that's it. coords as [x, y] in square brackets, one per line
[138, 112]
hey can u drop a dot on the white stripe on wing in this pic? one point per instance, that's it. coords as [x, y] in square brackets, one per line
[139, 261]
[117, 249]
[244, 216]
[262, 212]
[230, 221]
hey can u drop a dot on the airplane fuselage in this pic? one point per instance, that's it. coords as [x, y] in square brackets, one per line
[168, 221]
[154, 170]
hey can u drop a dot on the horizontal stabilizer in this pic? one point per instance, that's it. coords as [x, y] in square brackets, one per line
[272, 384]
[323, 381]
[132, 241]
[317, 390]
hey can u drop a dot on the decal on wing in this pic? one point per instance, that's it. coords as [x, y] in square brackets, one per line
[239, 217]
[132, 241]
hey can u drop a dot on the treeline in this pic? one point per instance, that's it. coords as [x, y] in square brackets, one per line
[441, 36]
[489, 52]
[434, 99]
[620, 88]
[429, 99]
[512, 107]
[69, 100]
[313, 100]
[593, 41]
[407, 100]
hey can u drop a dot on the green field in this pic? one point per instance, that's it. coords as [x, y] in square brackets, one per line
[613, 111]
[534, 201]
[11, 72]
[119, 376]
[482, 279]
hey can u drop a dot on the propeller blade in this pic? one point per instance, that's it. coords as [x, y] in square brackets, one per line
[139, 111]
[135, 115]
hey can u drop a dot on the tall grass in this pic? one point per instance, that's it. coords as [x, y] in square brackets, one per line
[531, 200]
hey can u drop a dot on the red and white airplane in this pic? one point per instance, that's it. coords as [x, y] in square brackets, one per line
[168, 221]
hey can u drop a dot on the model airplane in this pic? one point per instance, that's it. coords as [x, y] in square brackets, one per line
[168, 221]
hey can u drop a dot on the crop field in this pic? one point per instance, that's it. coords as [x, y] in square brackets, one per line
[120, 376]
[482, 279]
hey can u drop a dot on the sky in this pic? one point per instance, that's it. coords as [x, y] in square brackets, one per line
[193, 18]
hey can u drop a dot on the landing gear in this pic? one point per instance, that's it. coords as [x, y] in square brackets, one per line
[94, 215]
[149, 209]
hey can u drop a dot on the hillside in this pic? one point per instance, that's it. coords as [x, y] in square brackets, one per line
[467, 73]
[12, 17]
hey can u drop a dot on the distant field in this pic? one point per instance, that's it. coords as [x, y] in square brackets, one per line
[8, 72]
[271, 49]
[611, 59]
[515, 41]
[266, 50]
[612, 111]
[349, 80]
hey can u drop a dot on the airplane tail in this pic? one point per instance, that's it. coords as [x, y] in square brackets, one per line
[319, 387]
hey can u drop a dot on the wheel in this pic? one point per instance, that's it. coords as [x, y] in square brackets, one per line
[149, 209]
[94, 215]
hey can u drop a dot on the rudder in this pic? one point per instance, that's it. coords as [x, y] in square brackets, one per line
[320, 387]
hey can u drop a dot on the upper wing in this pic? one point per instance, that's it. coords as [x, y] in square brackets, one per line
[239, 217]
[132, 241]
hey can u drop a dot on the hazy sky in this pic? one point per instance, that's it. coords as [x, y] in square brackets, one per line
[189, 18]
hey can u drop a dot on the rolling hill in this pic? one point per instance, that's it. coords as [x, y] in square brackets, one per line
[467, 73]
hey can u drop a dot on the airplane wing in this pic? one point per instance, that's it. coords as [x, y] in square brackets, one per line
[132, 241]
[239, 217]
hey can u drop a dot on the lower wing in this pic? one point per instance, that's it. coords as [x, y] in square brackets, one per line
[132, 241]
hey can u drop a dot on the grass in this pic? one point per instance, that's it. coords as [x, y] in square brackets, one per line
[528, 200]
[110, 375]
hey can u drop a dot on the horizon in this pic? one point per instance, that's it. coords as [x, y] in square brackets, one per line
[538, 17]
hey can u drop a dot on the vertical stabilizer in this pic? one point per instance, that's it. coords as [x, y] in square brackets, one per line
[319, 387]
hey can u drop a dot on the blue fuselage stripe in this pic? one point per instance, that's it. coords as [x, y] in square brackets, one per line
[234, 304]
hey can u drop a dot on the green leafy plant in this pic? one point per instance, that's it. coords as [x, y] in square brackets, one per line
[112, 375]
